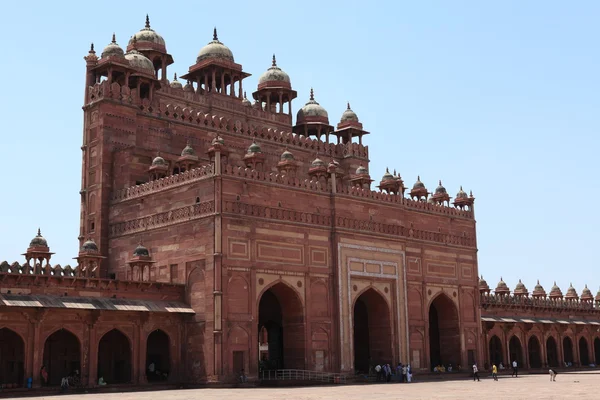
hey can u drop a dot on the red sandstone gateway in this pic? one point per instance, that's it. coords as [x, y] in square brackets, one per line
[217, 237]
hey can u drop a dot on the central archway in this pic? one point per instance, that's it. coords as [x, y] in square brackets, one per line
[535, 356]
[62, 356]
[372, 331]
[12, 357]
[495, 350]
[583, 352]
[444, 332]
[568, 350]
[114, 357]
[158, 361]
[516, 351]
[551, 352]
[281, 313]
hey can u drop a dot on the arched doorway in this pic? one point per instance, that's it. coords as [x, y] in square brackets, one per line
[158, 361]
[551, 352]
[516, 351]
[372, 331]
[496, 350]
[281, 312]
[62, 356]
[584, 356]
[535, 355]
[444, 332]
[597, 350]
[12, 358]
[568, 350]
[114, 357]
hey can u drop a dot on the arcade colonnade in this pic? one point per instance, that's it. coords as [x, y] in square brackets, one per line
[116, 353]
[537, 348]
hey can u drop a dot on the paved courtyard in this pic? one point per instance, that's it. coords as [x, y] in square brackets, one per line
[576, 386]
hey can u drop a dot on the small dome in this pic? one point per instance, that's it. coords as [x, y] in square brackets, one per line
[140, 250]
[586, 294]
[311, 109]
[287, 156]
[113, 49]
[147, 34]
[571, 292]
[188, 87]
[462, 194]
[555, 291]
[362, 171]
[38, 241]
[597, 298]
[349, 115]
[418, 184]
[520, 288]
[317, 162]
[254, 148]
[139, 61]
[502, 287]
[188, 150]
[89, 245]
[175, 84]
[440, 189]
[483, 283]
[218, 140]
[246, 102]
[539, 287]
[158, 160]
[520, 285]
[215, 49]
[274, 74]
[387, 176]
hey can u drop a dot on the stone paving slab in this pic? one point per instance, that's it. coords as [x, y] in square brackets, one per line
[576, 386]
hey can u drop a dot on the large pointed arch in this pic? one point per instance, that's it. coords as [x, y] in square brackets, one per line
[535, 352]
[496, 353]
[551, 352]
[114, 357]
[12, 357]
[584, 355]
[62, 355]
[515, 350]
[568, 354]
[281, 312]
[158, 356]
[444, 332]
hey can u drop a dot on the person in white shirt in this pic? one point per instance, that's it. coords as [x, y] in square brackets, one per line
[515, 370]
[552, 375]
[475, 372]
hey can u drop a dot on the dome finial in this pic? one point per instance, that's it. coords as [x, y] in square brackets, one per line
[312, 94]
[274, 60]
[114, 39]
[348, 105]
[215, 37]
[39, 232]
[147, 21]
[175, 76]
[440, 182]
[92, 48]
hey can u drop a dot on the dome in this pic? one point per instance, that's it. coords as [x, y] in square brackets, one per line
[555, 291]
[586, 294]
[112, 49]
[597, 296]
[215, 49]
[147, 35]
[317, 162]
[462, 194]
[287, 156]
[188, 87]
[362, 171]
[139, 61]
[38, 241]
[418, 184]
[254, 148]
[176, 84]
[274, 74]
[483, 283]
[246, 102]
[349, 115]
[538, 287]
[218, 140]
[387, 176]
[571, 292]
[140, 250]
[311, 109]
[520, 288]
[502, 287]
[158, 160]
[440, 189]
[89, 245]
[188, 150]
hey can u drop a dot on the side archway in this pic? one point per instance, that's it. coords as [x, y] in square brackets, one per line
[12, 357]
[62, 356]
[516, 351]
[372, 331]
[597, 350]
[158, 357]
[568, 350]
[444, 332]
[281, 313]
[551, 352]
[535, 355]
[584, 357]
[496, 350]
[114, 357]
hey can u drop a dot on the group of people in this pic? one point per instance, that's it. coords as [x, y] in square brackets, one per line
[385, 373]
[442, 368]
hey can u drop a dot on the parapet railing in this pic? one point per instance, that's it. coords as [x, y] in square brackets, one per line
[512, 300]
[301, 375]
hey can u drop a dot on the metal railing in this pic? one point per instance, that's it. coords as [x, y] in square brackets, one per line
[301, 375]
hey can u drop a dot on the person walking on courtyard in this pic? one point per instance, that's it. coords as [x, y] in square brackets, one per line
[378, 372]
[475, 373]
[552, 375]
[515, 372]
[494, 372]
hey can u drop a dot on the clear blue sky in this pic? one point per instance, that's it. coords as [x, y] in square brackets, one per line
[500, 97]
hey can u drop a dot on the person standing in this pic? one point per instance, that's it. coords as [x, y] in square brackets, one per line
[515, 372]
[552, 375]
[475, 372]
[494, 372]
